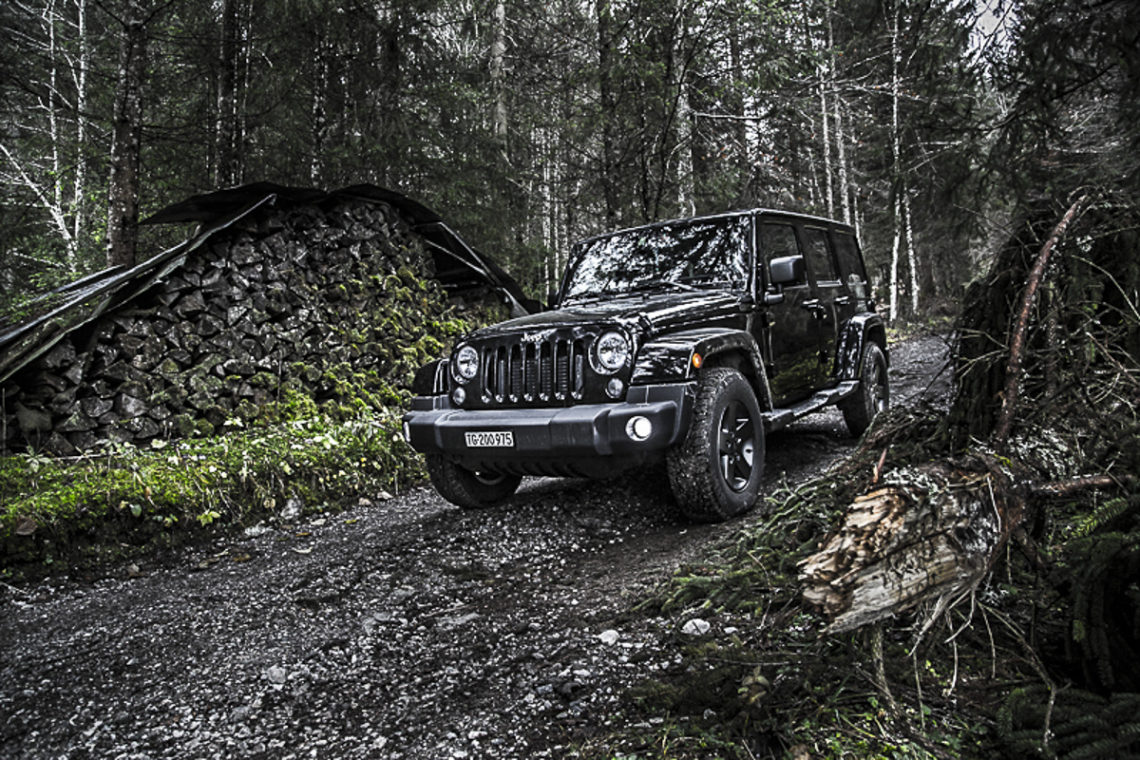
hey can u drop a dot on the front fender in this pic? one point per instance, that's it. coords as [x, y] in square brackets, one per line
[669, 358]
[431, 379]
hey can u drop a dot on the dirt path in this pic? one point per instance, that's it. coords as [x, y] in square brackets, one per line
[402, 629]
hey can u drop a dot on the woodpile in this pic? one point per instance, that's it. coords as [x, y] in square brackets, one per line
[328, 301]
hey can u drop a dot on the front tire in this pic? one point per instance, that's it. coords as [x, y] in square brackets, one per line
[467, 488]
[715, 472]
[874, 394]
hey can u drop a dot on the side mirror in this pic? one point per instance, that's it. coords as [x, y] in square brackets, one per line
[786, 270]
[551, 297]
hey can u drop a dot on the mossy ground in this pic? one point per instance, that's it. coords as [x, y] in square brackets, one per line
[79, 512]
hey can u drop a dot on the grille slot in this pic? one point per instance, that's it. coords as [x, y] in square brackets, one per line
[553, 370]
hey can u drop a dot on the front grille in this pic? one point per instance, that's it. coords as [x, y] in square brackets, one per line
[552, 370]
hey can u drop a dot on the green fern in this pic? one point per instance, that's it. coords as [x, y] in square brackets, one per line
[1103, 515]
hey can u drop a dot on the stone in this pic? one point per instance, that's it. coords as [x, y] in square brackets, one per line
[128, 407]
[94, 406]
[696, 627]
[76, 422]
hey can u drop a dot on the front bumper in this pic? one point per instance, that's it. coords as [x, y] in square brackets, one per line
[583, 431]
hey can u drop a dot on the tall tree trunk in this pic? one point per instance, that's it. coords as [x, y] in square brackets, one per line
[498, 74]
[318, 118]
[226, 171]
[54, 202]
[911, 254]
[896, 245]
[685, 181]
[79, 202]
[126, 137]
[896, 164]
[606, 100]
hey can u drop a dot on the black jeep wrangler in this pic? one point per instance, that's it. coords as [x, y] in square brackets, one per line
[687, 340]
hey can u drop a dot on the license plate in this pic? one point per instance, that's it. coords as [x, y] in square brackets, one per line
[500, 439]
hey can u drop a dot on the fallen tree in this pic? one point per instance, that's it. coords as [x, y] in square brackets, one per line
[931, 532]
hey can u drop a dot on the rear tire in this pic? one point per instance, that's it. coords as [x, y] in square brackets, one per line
[466, 488]
[874, 394]
[715, 472]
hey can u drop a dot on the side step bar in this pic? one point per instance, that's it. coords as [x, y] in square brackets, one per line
[779, 418]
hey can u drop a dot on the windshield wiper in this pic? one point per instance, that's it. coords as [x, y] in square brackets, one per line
[659, 284]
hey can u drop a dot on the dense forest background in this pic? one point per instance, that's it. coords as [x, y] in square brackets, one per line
[932, 125]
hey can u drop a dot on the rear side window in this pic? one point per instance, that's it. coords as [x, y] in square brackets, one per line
[819, 259]
[848, 254]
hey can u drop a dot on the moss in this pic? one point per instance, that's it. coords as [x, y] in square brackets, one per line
[134, 495]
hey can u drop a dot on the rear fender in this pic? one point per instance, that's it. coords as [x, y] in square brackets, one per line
[858, 331]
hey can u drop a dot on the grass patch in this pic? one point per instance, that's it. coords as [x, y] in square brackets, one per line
[81, 511]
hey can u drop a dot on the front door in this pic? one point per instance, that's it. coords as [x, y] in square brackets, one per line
[789, 329]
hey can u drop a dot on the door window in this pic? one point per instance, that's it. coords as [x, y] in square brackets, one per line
[848, 255]
[778, 241]
[820, 262]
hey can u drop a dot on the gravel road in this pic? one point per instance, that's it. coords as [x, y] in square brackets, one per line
[401, 628]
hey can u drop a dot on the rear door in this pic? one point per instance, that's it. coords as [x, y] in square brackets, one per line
[831, 304]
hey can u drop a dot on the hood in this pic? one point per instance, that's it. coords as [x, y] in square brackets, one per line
[649, 312]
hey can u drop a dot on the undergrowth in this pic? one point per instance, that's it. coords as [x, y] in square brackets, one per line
[996, 675]
[82, 510]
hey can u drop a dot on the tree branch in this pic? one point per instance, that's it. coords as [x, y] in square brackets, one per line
[1009, 400]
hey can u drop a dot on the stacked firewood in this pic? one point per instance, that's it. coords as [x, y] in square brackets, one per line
[313, 299]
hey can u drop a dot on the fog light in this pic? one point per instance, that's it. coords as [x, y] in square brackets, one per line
[458, 396]
[614, 388]
[639, 428]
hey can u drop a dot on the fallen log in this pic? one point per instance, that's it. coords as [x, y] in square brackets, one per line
[927, 534]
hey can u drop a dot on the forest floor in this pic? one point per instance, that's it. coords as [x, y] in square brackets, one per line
[400, 628]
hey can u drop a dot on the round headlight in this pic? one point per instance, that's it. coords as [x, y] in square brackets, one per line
[612, 352]
[466, 363]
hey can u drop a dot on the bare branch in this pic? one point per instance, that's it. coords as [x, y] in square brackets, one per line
[1017, 343]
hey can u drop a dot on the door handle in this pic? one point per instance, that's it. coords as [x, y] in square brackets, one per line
[817, 309]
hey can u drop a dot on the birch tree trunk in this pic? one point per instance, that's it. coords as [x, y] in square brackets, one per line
[911, 255]
[826, 77]
[895, 246]
[53, 122]
[844, 177]
[686, 190]
[896, 167]
[126, 137]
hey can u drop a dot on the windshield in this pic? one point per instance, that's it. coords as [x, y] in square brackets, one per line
[682, 255]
